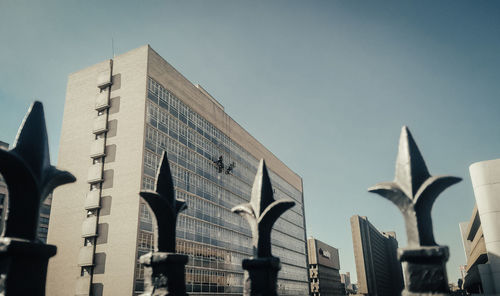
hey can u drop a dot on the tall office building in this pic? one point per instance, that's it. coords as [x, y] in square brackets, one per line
[119, 116]
[375, 254]
[324, 266]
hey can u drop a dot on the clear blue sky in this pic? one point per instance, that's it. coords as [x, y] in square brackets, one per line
[325, 85]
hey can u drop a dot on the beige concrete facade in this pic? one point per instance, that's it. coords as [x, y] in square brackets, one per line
[115, 245]
[118, 219]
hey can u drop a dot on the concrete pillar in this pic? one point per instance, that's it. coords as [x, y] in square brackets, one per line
[485, 176]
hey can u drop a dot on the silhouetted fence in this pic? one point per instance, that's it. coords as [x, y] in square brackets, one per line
[30, 177]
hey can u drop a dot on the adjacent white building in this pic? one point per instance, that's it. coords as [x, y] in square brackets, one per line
[485, 176]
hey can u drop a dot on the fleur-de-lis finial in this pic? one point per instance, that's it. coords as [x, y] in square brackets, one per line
[165, 207]
[414, 191]
[262, 211]
[29, 176]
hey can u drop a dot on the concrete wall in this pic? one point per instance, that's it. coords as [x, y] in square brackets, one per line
[115, 253]
[67, 203]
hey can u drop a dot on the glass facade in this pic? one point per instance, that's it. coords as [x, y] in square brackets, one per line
[215, 239]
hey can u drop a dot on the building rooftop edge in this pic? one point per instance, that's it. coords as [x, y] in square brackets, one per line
[383, 233]
[206, 93]
[110, 58]
[477, 163]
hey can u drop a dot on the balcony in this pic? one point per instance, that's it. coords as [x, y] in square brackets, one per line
[102, 100]
[95, 173]
[86, 256]
[92, 200]
[82, 286]
[89, 227]
[100, 124]
[478, 254]
[97, 148]
[104, 79]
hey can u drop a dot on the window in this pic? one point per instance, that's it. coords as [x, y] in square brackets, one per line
[145, 240]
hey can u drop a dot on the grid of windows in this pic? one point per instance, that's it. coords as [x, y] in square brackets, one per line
[213, 281]
[215, 239]
[205, 145]
[195, 173]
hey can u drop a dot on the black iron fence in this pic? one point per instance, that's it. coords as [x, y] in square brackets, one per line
[30, 177]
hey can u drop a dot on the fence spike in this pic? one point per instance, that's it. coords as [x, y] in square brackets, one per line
[30, 178]
[261, 213]
[164, 272]
[414, 191]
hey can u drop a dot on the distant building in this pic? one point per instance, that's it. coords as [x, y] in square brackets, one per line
[3, 190]
[378, 269]
[324, 266]
[345, 280]
[481, 236]
[354, 288]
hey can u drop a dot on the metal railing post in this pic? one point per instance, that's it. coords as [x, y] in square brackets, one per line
[261, 271]
[30, 178]
[164, 272]
[414, 191]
